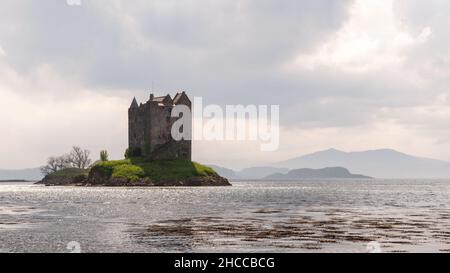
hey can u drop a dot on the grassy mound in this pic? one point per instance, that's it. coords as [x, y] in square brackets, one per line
[69, 173]
[136, 168]
[66, 176]
[138, 172]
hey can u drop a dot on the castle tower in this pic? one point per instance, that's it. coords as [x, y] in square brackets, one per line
[150, 125]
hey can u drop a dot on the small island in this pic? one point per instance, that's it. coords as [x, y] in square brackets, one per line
[137, 172]
[325, 173]
[153, 157]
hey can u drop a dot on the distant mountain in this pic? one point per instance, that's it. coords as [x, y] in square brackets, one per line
[225, 172]
[248, 173]
[25, 174]
[325, 173]
[384, 163]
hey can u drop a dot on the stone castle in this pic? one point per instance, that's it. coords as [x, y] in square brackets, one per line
[150, 125]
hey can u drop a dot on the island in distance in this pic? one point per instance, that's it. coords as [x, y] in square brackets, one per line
[325, 173]
[153, 157]
[274, 173]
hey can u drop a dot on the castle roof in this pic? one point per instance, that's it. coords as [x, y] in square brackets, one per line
[134, 103]
[165, 100]
[179, 98]
[159, 99]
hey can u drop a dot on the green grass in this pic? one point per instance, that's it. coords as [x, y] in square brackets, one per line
[203, 170]
[72, 174]
[128, 171]
[114, 163]
[69, 173]
[135, 168]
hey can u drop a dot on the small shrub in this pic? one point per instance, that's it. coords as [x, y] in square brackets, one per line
[104, 156]
[133, 152]
[106, 171]
[203, 170]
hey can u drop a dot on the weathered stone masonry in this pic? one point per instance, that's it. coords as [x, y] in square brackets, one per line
[150, 125]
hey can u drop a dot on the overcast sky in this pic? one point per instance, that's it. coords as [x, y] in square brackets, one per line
[353, 75]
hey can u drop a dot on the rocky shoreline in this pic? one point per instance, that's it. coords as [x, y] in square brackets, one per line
[96, 179]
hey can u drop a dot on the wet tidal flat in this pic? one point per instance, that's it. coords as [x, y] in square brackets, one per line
[302, 216]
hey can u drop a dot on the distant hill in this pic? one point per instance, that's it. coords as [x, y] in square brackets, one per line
[260, 172]
[225, 172]
[383, 163]
[25, 174]
[325, 173]
[248, 173]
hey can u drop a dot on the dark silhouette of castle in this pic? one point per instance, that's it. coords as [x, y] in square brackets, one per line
[150, 125]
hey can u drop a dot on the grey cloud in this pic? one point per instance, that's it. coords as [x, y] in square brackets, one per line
[229, 52]
[433, 59]
[189, 42]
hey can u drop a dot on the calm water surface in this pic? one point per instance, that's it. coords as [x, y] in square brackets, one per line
[307, 216]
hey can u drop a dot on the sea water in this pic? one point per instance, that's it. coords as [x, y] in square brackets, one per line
[253, 216]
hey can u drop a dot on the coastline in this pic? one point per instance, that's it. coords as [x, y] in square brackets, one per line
[92, 181]
[137, 172]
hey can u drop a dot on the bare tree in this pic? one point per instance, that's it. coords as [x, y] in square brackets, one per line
[79, 158]
[55, 164]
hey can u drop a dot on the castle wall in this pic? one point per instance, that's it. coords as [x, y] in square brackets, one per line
[137, 121]
[160, 131]
[150, 127]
